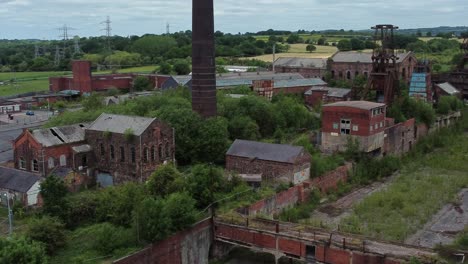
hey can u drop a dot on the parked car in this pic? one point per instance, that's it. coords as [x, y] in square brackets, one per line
[30, 113]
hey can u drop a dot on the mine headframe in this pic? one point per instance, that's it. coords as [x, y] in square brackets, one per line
[464, 62]
[383, 79]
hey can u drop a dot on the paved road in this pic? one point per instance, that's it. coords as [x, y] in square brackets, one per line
[6, 152]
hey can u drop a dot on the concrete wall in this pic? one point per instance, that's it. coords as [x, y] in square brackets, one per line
[335, 142]
[191, 246]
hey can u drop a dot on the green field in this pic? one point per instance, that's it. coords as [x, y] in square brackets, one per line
[39, 81]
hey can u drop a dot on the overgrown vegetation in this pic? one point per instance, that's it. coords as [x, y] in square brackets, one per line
[434, 172]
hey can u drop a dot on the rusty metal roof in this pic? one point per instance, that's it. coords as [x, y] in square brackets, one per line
[365, 105]
[332, 92]
[264, 151]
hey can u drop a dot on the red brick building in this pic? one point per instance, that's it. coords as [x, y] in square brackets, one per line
[275, 162]
[325, 95]
[307, 67]
[446, 89]
[399, 138]
[43, 150]
[85, 82]
[358, 120]
[127, 148]
[346, 65]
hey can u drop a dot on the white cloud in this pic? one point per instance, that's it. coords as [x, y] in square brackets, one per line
[145, 16]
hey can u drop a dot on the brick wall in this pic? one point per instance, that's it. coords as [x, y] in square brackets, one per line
[305, 72]
[400, 138]
[158, 136]
[297, 194]
[190, 246]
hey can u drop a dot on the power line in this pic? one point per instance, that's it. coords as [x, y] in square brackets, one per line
[76, 45]
[108, 30]
[168, 27]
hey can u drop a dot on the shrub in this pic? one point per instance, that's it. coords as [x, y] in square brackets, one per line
[151, 220]
[20, 250]
[109, 237]
[49, 231]
[180, 208]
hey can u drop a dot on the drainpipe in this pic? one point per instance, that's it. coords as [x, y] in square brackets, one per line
[141, 162]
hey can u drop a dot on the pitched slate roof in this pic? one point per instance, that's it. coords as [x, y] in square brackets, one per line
[264, 151]
[363, 57]
[55, 136]
[17, 180]
[301, 62]
[332, 92]
[364, 105]
[448, 88]
[120, 123]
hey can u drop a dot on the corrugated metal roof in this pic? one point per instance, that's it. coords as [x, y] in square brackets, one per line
[299, 82]
[55, 136]
[363, 57]
[120, 123]
[301, 62]
[265, 151]
[365, 105]
[332, 92]
[17, 180]
[259, 76]
[448, 88]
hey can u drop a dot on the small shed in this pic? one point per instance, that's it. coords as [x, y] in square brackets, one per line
[19, 185]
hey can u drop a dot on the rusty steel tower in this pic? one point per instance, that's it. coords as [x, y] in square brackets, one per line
[203, 59]
[464, 61]
[384, 76]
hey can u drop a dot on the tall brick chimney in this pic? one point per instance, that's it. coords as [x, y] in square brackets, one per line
[203, 59]
[82, 76]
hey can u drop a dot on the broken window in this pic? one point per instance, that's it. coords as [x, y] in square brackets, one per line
[122, 154]
[35, 165]
[112, 152]
[153, 153]
[345, 126]
[160, 156]
[63, 160]
[102, 149]
[133, 153]
[145, 154]
[168, 150]
[22, 163]
[335, 126]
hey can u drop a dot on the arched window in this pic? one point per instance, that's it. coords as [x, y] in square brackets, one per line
[112, 152]
[63, 160]
[133, 154]
[153, 153]
[122, 154]
[333, 74]
[22, 163]
[366, 74]
[403, 73]
[35, 165]
[102, 149]
[356, 74]
[168, 150]
[51, 163]
[348, 75]
[160, 154]
[145, 154]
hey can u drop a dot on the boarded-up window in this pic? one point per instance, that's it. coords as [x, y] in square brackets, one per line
[51, 163]
[63, 161]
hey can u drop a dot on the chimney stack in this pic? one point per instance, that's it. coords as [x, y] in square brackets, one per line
[203, 59]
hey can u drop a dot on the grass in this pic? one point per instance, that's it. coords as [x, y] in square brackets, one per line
[79, 249]
[25, 87]
[423, 187]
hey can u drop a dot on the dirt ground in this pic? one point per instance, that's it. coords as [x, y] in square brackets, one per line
[445, 225]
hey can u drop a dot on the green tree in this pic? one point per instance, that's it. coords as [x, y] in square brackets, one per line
[243, 127]
[40, 64]
[165, 68]
[123, 58]
[180, 208]
[212, 143]
[311, 48]
[344, 45]
[357, 44]
[49, 231]
[108, 237]
[141, 83]
[294, 38]
[92, 102]
[182, 68]
[151, 220]
[53, 192]
[154, 46]
[20, 250]
[165, 180]
[203, 182]
[321, 41]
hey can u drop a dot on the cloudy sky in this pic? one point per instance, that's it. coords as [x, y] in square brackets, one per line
[40, 19]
